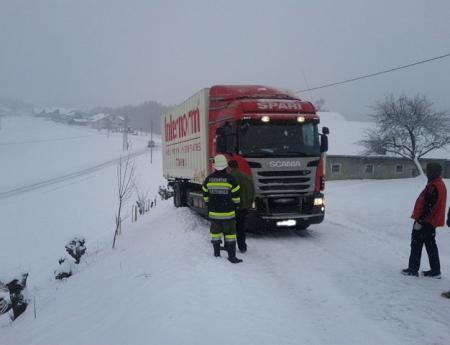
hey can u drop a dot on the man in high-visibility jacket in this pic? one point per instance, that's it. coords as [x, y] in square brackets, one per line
[222, 196]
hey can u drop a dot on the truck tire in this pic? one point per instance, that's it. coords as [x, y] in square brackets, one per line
[179, 195]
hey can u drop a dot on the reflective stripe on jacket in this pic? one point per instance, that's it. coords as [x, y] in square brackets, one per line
[221, 194]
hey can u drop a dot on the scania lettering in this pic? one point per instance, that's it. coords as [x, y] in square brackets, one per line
[284, 164]
[272, 135]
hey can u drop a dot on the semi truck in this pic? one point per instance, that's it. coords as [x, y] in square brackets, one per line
[272, 135]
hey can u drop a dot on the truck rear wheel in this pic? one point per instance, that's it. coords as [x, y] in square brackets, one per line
[179, 195]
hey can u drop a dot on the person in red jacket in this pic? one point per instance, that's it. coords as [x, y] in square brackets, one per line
[429, 213]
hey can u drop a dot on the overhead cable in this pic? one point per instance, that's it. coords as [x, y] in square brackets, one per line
[373, 74]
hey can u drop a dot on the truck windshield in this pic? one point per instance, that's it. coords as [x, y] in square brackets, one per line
[279, 140]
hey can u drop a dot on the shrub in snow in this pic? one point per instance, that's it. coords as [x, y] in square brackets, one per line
[13, 296]
[5, 301]
[76, 248]
[64, 270]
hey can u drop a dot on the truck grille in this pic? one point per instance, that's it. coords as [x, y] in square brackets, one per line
[286, 205]
[284, 187]
[283, 180]
[285, 173]
[293, 181]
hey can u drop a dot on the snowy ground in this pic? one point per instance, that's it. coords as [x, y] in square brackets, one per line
[337, 283]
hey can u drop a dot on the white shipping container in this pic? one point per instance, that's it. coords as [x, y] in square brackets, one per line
[185, 139]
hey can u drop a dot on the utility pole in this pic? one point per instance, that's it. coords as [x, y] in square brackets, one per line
[151, 142]
[125, 135]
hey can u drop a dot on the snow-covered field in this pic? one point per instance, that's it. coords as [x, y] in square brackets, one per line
[337, 283]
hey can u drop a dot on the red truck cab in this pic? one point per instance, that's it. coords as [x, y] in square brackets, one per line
[275, 139]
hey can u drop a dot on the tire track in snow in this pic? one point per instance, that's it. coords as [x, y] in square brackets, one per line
[367, 274]
[63, 178]
[303, 267]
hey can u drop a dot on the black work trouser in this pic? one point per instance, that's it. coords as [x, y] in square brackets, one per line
[426, 236]
[240, 228]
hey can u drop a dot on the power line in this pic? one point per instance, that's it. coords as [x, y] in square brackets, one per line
[373, 74]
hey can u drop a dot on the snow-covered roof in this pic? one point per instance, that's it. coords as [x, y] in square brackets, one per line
[344, 134]
[99, 116]
[61, 111]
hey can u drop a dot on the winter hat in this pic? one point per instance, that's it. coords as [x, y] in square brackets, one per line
[433, 170]
[220, 162]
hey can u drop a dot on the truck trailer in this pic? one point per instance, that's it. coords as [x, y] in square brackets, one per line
[271, 134]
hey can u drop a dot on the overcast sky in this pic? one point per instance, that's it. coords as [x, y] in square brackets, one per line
[86, 53]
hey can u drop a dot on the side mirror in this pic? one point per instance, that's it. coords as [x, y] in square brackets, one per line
[325, 130]
[323, 143]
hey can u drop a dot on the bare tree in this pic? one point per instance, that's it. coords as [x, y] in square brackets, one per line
[407, 127]
[125, 176]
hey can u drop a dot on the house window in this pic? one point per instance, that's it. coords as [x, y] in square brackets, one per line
[399, 169]
[335, 168]
[368, 168]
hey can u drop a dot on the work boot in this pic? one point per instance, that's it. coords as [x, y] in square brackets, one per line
[242, 248]
[231, 248]
[216, 246]
[410, 272]
[432, 274]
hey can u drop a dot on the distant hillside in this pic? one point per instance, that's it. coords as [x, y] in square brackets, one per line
[139, 116]
[13, 106]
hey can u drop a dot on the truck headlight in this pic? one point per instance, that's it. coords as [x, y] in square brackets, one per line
[265, 118]
[318, 202]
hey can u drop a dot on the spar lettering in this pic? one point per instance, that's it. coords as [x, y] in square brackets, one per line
[182, 126]
[279, 106]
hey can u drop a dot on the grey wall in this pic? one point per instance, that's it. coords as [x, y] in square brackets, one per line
[355, 167]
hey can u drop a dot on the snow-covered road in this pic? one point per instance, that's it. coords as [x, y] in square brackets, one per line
[66, 177]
